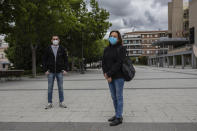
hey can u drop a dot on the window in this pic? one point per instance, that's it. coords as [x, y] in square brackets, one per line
[148, 52]
[3, 65]
[134, 52]
[2, 56]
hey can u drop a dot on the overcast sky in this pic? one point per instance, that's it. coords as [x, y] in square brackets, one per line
[128, 15]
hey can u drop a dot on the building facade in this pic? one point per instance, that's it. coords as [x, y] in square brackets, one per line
[4, 62]
[132, 42]
[177, 18]
[186, 20]
[148, 37]
[139, 43]
[180, 51]
[193, 23]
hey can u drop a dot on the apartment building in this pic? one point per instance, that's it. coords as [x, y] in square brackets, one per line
[139, 43]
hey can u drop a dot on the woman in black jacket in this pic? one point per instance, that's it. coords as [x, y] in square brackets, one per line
[112, 61]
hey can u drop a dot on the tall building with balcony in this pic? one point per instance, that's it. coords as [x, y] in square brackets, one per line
[132, 41]
[180, 48]
[139, 43]
[193, 28]
[148, 37]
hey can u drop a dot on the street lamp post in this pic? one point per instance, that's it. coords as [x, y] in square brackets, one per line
[82, 54]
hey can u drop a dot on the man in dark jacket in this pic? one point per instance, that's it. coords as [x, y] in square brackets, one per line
[55, 64]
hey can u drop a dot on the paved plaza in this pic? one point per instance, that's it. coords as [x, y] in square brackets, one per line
[158, 99]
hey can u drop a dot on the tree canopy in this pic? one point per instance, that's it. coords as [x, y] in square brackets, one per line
[30, 24]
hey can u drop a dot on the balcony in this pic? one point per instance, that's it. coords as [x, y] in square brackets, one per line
[134, 54]
[180, 49]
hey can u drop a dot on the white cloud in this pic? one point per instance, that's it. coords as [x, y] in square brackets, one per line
[139, 14]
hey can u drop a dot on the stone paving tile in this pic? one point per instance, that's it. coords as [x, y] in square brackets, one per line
[155, 95]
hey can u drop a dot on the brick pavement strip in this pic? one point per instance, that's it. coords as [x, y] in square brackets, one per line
[155, 96]
[60, 126]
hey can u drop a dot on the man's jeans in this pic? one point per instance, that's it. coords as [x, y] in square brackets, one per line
[116, 89]
[51, 78]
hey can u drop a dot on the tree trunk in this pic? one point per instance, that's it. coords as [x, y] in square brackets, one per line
[73, 63]
[33, 50]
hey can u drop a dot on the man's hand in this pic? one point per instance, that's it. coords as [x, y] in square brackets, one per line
[64, 72]
[109, 79]
[105, 75]
[46, 73]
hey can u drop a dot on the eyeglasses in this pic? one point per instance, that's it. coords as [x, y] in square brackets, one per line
[55, 39]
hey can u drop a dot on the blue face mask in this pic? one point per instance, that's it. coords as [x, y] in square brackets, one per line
[113, 40]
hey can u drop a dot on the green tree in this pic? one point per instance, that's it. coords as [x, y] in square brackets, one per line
[95, 52]
[34, 22]
[29, 25]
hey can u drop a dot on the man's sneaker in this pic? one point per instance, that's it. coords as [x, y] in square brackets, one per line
[48, 106]
[62, 105]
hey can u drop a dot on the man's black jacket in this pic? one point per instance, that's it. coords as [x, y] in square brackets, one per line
[49, 63]
[112, 61]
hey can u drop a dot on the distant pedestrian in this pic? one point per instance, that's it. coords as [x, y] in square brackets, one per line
[55, 63]
[113, 57]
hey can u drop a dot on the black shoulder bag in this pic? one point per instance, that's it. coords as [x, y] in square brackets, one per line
[127, 68]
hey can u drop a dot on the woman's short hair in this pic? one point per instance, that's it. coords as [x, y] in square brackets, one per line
[119, 36]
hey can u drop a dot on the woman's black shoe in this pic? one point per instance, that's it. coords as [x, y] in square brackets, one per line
[112, 119]
[116, 122]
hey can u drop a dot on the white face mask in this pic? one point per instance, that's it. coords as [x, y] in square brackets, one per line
[55, 42]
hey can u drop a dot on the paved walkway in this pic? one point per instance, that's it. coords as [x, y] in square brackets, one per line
[156, 95]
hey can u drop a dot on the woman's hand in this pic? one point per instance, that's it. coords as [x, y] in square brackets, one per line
[64, 73]
[109, 79]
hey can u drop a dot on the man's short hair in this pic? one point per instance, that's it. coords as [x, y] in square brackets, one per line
[55, 36]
